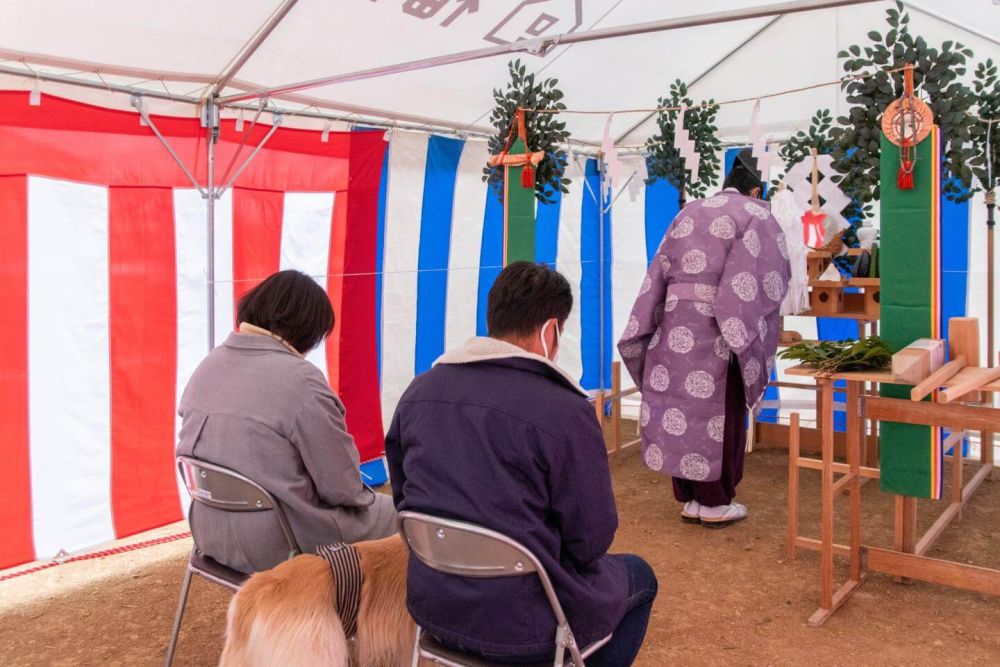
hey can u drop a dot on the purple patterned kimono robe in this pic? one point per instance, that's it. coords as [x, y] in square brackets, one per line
[715, 287]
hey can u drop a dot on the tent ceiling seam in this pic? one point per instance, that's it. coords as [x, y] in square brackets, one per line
[711, 68]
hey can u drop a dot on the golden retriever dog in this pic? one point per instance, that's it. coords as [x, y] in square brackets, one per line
[286, 616]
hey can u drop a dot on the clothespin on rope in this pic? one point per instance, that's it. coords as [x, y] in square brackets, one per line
[35, 97]
[325, 136]
[239, 120]
[140, 105]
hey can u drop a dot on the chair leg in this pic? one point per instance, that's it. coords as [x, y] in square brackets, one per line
[416, 648]
[178, 618]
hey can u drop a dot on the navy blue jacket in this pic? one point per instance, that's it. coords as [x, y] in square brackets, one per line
[511, 445]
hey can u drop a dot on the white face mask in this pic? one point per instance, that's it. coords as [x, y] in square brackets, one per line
[545, 346]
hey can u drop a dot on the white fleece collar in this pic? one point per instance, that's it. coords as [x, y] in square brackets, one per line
[482, 348]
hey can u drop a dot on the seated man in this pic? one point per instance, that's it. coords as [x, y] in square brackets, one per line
[498, 435]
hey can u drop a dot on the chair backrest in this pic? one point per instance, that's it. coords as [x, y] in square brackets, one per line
[224, 489]
[468, 550]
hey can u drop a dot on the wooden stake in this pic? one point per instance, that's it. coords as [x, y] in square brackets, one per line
[616, 406]
[855, 429]
[938, 378]
[906, 528]
[826, 523]
[963, 340]
[791, 552]
[966, 382]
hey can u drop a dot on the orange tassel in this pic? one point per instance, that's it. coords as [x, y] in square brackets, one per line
[904, 181]
[528, 177]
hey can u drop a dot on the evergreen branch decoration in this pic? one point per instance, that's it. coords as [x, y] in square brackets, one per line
[665, 160]
[545, 131]
[831, 357]
[798, 147]
[937, 74]
[985, 138]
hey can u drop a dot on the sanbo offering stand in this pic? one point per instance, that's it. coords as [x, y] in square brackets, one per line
[906, 559]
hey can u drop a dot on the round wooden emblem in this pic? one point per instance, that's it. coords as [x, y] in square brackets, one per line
[909, 119]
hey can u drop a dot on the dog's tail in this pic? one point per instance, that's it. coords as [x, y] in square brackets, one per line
[286, 616]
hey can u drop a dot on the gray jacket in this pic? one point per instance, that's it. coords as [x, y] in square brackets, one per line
[254, 406]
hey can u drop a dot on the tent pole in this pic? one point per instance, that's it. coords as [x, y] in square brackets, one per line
[137, 103]
[543, 45]
[97, 85]
[244, 55]
[990, 278]
[210, 120]
[602, 287]
[275, 124]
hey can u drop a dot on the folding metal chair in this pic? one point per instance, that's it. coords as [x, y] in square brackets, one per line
[224, 489]
[468, 550]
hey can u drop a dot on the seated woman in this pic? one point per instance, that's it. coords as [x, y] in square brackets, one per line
[256, 406]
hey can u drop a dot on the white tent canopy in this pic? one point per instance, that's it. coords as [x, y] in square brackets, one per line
[180, 49]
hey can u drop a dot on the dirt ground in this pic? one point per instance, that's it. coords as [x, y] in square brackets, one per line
[726, 597]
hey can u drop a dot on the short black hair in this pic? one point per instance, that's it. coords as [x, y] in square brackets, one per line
[292, 305]
[524, 296]
[744, 176]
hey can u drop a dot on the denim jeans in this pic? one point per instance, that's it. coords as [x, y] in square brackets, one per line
[627, 638]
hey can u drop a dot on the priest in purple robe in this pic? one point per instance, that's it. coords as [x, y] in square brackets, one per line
[701, 339]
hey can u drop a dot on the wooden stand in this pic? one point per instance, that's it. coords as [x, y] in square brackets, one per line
[906, 560]
[601, 399]
[828, 298]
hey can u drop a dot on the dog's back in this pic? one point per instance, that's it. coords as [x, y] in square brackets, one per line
[287, 616]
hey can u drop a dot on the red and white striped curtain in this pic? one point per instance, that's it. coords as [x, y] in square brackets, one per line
[103, 290]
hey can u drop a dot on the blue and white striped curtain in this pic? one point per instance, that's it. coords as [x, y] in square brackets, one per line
[441, 244]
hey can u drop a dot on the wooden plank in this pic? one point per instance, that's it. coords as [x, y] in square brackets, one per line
[843, 315]
[826, 521]
[855, 430]
[884, 376]
[843, 481]
[839, 468]
[616, 406]
[938, 378]
[599, 408]
[866, 376]
[775, 436]
[958, 417]
[793, 385]
[981, 475]
[938, 527]
[906, 527]
[954, 443]
[915, 362]
[845, 592]
[816, 545]
[966, 381]
[793, 487]
[935, 571]
[631, 443]
[963, 340]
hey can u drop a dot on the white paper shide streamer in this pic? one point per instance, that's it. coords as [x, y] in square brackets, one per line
[788, 213]
[639, 175]
[798, 180]
[614, 169]
[685, 146]
[759, 144]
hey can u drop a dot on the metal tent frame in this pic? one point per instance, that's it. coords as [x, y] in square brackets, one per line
[213, 100]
